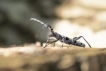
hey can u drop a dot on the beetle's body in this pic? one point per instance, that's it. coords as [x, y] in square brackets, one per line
[66, 40]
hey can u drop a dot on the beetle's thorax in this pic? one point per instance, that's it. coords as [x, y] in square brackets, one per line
[56, 35]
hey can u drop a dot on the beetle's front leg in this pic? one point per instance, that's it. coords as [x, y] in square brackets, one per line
[49, 41]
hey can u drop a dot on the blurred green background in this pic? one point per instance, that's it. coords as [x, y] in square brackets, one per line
[14, 17]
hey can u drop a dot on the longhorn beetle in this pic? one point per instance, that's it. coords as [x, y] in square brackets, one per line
[61, 38]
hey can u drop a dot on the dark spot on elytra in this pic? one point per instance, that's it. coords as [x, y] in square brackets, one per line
[81, 43]
[67, 38]
[51, 29]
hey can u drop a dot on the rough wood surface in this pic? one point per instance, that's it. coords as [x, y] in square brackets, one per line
[36, 58]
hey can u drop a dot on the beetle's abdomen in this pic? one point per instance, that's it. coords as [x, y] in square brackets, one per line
[79, 44]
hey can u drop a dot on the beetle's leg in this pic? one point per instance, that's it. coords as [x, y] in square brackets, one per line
[77, 38]
[49, 41]
[53, 44]
[46, 45]
[62, 45]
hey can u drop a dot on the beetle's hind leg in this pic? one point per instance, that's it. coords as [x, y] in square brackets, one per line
[50, 41]
[77, 38]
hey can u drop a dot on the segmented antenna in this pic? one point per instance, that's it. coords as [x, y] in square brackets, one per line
[48, 26]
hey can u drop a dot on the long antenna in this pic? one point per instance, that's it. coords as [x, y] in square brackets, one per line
[48, 26]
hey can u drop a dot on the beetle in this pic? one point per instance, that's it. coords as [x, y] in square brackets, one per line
[61, 38]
